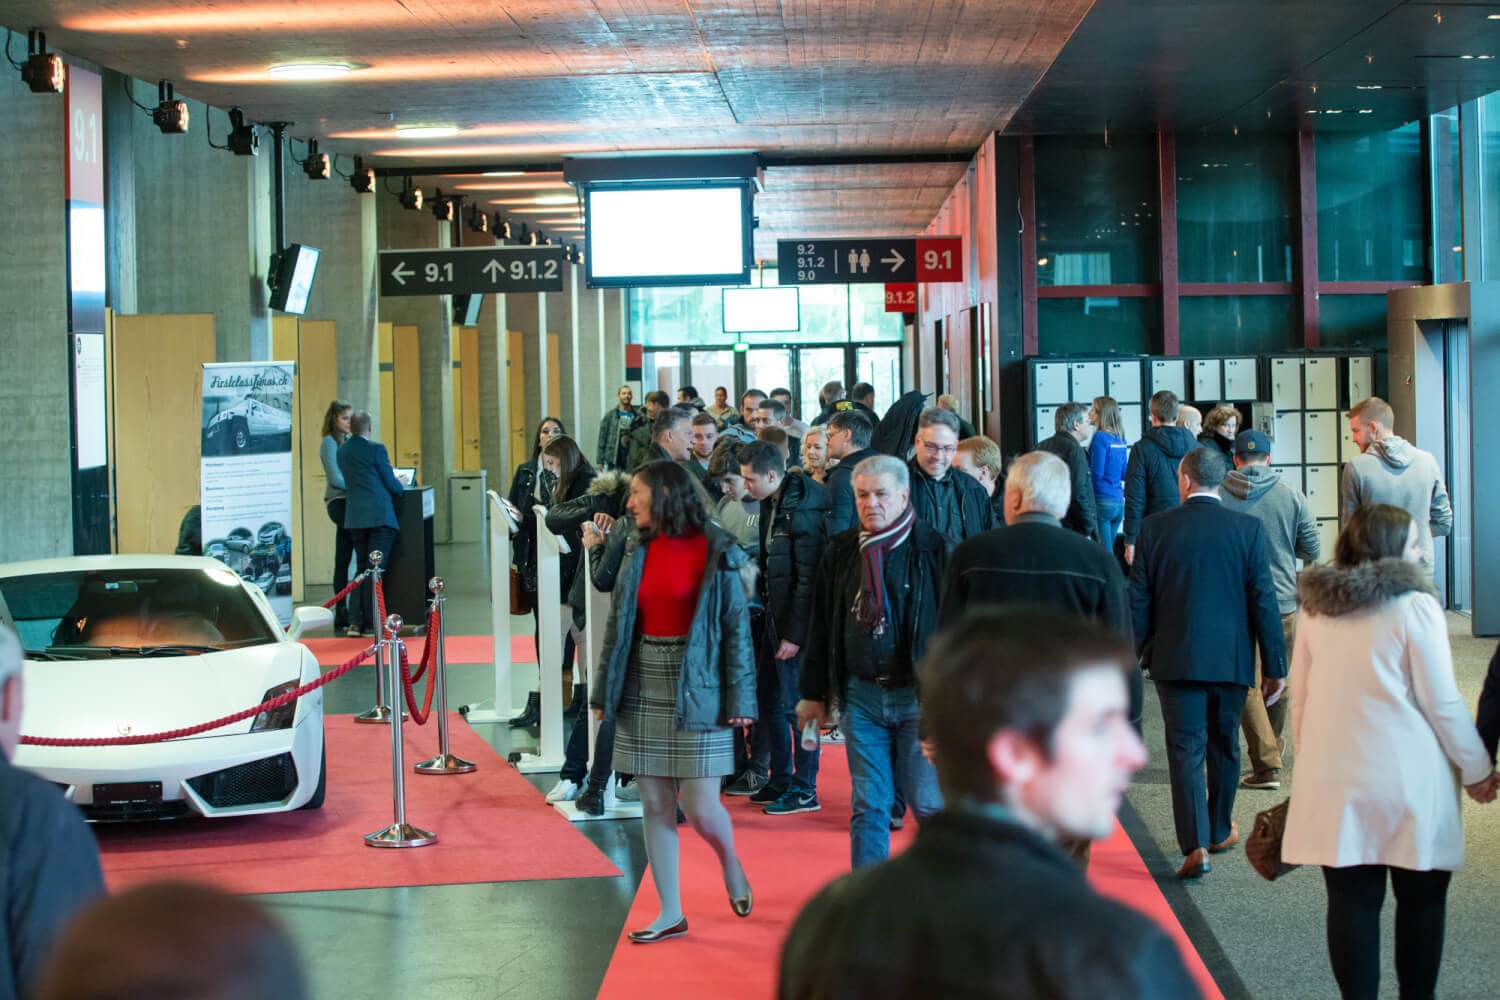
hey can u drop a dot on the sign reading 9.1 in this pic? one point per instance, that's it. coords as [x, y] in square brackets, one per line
[810, 262]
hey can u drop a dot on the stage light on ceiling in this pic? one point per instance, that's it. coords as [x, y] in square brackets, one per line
[426, 131]
[316, 165]
[410, 197]
[501, 227]
[478, 220]
[170, 115]
[363, 179]
[243, 139]
[42, 71]
[442, 208]
[525, 237]
[310, 71]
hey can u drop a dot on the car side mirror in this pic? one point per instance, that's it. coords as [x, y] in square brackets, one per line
[309, 617]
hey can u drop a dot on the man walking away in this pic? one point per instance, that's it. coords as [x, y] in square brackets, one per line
[1151, 473]
[371, 490]
[1256, 489]
[1067, 444]
[1390, 469]
[849, 433]
[1201, 598]
[984, 904]
[955, 506]
[876, 600]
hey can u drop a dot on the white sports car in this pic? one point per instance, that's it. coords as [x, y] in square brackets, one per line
[125, 645]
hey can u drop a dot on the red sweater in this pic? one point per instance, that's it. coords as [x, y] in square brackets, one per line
[669, 584]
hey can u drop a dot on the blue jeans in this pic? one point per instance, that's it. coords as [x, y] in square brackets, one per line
[1108, 520]
[777, 690]
[880, 726]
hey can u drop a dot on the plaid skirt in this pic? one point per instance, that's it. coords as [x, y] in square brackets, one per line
[647, 740]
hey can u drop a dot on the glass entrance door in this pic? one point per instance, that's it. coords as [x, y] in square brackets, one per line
[817, 366]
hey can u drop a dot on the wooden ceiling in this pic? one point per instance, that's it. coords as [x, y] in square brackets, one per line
[531, 81]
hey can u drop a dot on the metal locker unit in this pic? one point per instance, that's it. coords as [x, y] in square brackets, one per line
[1087, 381]
[1359, 379]
[1320, 437]
[1328, 537]
[1046, 419]
[1347, 448]
[1290, 474]
[1323, 491]
[1240, 379]
[1169, 374]
[1133, 417]
[1286, 441]
[1049, 383]
[1286, 383]
[1208, 380]
[1320, 383]
[1123, 381]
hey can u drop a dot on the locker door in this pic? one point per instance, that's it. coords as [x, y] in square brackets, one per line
[1320, 437]
[1208, 380]
[1286, 383]
[1088, 381]
[1323, 490]
[1320, 383]
[1292, 476]
[1361, 382]
[1050, 385]
[1328, 537]
[1133, 416]
[1045, 423]
[1347, 448]
[1286, 442]
[1124, 381]
[1169, 374]
[1239, 379]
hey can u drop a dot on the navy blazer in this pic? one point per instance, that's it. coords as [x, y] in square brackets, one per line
[1201, 596]
[370, 485]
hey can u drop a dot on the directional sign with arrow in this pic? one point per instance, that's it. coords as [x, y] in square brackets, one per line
[471, 270]
[876, 260]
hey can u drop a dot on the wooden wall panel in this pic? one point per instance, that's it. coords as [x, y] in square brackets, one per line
[156, 391]
[515, 401]
[554, 380]
[317, 386]
[466, 402]
[385, 426]
[284, 348]
[406, 365]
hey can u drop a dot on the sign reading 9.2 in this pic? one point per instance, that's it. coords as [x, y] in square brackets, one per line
[810, 262]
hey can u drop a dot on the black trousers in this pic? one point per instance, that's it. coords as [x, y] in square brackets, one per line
[1355, 897]
[361, 602]
[343, 550]
[1203, 731]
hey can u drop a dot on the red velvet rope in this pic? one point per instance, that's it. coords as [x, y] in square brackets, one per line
[379, 608]
[418, 715]
[280, 701]
[427, 650]
[353, 585]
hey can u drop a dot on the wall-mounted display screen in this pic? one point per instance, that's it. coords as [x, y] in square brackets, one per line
[649, 234]
[295, 270]
[762, 310]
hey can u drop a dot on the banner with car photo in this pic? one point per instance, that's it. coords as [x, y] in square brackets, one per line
[246, 490]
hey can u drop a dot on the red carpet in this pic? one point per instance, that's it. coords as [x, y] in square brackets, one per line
[459, 649]
[492, 826]
[788, 860]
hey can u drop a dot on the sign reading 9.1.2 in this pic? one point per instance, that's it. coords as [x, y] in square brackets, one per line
[471, 270]
[873, 260]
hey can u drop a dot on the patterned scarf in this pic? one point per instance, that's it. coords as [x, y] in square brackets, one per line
[871, 608]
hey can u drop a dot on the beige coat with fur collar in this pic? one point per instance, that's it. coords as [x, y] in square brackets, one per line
[1382, 736]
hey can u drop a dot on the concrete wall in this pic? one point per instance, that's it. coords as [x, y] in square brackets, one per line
[35, 458]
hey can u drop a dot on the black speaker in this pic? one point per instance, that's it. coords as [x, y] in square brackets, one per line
[466, 309]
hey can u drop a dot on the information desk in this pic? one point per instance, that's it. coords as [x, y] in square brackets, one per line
[406, 578]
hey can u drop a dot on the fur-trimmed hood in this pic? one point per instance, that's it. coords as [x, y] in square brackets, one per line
[607, 484]
[1340, 590]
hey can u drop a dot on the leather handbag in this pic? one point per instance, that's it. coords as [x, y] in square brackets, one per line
[1263, 849]
[520, 598]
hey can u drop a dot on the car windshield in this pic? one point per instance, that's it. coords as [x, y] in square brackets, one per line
[132, 612]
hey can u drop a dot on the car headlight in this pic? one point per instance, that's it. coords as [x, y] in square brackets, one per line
[276, 718]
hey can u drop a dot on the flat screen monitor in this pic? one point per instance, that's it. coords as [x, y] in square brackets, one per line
[406, 475]
[466, 309]
[762, 310]
[292, 280]
[667, 233]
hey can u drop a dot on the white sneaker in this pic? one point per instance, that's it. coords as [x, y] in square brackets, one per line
[564, 791]
[627, 793]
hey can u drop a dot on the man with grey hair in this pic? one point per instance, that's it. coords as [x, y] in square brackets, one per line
[1035, 561]
[49, 863]
[954, 505]
[1072, 427]
[875, 603]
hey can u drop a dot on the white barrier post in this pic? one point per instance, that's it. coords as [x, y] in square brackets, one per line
[502, 527]
[549, 549]
[444, 762]
[399, 833]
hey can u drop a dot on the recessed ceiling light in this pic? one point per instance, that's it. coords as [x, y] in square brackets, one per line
[1312, 111]
[1367, 86]
[1466, 57]
[503, 173]
[310, 71]
[1492, 17]
[1367, 111]
[426, 131]
[1334, 111]
[1484, 57]
[555, 199]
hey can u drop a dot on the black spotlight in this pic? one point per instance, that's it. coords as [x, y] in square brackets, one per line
[478, 220]
[316, 166]
[524, 236]
[502, 227]
[363, 179]
[442, 208]
[170, 115]
[243, 138]
[43, 71]
[410, 197]
[570, 253]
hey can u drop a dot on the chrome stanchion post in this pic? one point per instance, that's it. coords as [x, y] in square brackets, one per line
[399, 833]
[381, 713]
[444, 762]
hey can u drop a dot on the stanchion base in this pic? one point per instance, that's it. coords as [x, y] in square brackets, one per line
[445, 764]
[400, 835]
[480, 712]
[379, 715]
[612, 810]
[531, 763]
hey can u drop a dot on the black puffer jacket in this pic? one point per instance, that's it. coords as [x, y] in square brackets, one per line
[1151, 475]
[840, 486]
[956, 506]
[792, 531]
[1082, 515]
[570, 530]
[606, 494]
[718, 668]
[523, 546]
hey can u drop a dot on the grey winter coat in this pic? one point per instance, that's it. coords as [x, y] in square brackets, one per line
[1397, 472]
[1291, 530]
[718, 668]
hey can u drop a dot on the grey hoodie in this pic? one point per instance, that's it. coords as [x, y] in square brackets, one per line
[1394, 471]
[1291, 531]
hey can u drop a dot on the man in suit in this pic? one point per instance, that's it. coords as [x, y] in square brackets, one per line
[1202, 600]
[1067, 444]
[371, 490]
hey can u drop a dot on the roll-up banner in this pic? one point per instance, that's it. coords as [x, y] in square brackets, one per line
[246, 491]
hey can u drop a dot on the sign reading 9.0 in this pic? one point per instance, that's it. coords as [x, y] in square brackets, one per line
[869, 261]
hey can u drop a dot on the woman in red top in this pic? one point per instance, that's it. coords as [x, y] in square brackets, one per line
[677, 673]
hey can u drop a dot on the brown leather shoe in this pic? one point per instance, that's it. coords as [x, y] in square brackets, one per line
[1227, 842]
[1196, 865]
[651, 937]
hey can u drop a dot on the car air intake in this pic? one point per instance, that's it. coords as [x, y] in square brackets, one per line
[270, 779]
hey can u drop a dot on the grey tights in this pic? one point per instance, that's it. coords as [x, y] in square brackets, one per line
[700, 802]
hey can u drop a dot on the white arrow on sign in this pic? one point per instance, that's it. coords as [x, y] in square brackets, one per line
[492, 268]
[895, 260]
[402, 272]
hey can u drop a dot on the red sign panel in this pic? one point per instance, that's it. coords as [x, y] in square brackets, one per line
[900, 297]
[940, 258]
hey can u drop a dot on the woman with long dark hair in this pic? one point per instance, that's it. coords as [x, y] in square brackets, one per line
[677, 673]
[335, 432]
[528, 487]
[1383, 739]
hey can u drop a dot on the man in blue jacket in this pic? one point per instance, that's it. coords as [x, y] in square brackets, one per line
[371, 490]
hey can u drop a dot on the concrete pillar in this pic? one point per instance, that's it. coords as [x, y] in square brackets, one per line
[494, 414]
[596, 397]
[202, 229]
[121, 119]
[616, 334]
[433, 316]
[559, 324]
[331, 216]
[35, 458]
[525, 313]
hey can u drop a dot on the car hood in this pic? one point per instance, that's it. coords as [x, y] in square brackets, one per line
[128, 695]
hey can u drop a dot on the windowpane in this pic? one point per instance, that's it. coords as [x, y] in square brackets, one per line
[816, 367]
[768, 368]
[711, 369]
[1236, 207]
[868, 320]
[1370, 190]
[1489, 181]
[881, 367]
[1238, 324]
[1096, 210]
[1097, 326]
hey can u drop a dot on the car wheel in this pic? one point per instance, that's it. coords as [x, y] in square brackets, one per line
[316, 802]
[240, 437]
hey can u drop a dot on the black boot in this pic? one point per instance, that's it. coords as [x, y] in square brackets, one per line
[531, 714]
[592, 799]
[580, 701]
